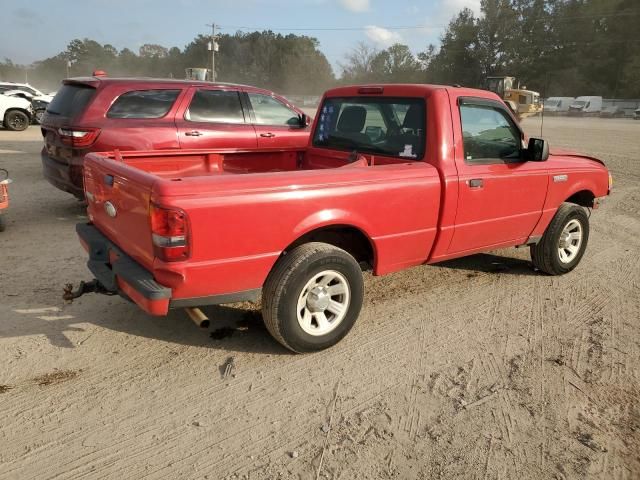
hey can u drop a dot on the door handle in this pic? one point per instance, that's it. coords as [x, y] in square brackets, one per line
[193, 133]
[268, 135]
[475, 183]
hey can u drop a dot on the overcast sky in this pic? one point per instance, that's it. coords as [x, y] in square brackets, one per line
[38, 29]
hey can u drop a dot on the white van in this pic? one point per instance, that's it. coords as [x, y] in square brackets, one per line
[586, 105]
[557, 104]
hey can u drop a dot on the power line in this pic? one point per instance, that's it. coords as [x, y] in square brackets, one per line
[413, 27]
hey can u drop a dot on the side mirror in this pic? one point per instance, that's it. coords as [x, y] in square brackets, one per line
[302, 121]
[537, 150]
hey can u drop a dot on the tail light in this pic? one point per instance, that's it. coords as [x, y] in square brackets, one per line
[170, 233]
[78, 137]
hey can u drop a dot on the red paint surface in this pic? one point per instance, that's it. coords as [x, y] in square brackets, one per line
[245, 206]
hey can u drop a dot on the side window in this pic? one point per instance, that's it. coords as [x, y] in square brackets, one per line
[270, 111]
[143, 104]
[215, 106]
[488, 133]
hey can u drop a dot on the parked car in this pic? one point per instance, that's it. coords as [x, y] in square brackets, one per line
[15, 112]
[612, 112]
[378, 184]
[557, 104]
[589, 105]
[29, 89]
[101, 113]
[636, 114]
[38, 105]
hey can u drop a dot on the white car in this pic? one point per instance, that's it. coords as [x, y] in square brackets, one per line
[29, 89]
[39, 100]
[15, 113]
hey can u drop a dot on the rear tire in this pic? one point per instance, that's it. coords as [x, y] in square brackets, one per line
[3, 223]
[564, 242]
[312, 297]
[16, 121]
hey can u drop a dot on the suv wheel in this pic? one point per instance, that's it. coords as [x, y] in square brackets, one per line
[16, 120]
[312, 297]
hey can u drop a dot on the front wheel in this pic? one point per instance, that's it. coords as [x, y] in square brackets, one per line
[312, 297]
[16, 120]
[564, 242]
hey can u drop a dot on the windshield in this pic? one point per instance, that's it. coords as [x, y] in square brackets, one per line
[386, 126]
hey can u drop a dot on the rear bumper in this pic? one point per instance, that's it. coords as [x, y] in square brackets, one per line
[119, 273]
[60, 175]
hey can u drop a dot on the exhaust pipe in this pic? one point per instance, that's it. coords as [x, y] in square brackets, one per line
[199, 318]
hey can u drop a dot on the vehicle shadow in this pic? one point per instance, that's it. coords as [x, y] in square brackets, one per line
[234, 328]
[490, 263]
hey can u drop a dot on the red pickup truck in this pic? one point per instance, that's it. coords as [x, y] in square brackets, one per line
[394, 176]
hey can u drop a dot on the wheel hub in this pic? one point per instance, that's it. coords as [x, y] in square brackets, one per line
[323, 303]
[570, 241]
[318, 299]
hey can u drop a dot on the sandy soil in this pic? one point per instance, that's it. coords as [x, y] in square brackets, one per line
[477, 368]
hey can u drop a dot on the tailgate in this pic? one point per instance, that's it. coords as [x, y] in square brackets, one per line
[118, 205]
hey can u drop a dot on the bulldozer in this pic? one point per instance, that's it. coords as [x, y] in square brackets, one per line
[522, 102]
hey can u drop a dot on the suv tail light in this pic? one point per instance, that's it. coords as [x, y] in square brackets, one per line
[170, 233]
[78, 137]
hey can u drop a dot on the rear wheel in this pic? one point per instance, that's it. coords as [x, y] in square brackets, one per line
[3, 223]
[312, 297]
[16, 120]
[564, 242]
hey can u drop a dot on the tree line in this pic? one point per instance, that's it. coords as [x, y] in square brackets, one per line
[557, 47]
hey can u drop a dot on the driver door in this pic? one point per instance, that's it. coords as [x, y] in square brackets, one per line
[500, 194]
[277, 125]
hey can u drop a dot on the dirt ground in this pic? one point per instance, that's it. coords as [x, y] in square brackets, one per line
[476, 368]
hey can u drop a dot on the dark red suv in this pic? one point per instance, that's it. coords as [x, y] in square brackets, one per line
[102, 114]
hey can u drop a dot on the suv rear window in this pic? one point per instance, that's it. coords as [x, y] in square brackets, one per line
[71, 100]
[143, 104]
[387, 126]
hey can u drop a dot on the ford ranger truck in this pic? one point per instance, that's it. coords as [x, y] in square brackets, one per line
[393, 177]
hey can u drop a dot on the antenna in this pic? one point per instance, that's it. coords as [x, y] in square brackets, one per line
[544, 95]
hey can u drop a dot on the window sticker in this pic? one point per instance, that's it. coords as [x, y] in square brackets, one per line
[407, 152]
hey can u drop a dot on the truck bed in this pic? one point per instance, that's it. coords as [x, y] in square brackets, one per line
[198, 163]
[245, 207]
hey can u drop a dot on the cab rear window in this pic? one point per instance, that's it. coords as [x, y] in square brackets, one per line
[388, 126]
[71, 100]
[143, 104]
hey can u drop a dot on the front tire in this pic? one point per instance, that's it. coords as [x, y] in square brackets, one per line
[16, 121]
[564, 242]
[312, 297]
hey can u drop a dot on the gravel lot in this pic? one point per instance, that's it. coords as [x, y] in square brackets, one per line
[476, 368]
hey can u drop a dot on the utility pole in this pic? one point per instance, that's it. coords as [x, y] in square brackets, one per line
[213, 46]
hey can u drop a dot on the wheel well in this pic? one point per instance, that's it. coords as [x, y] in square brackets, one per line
[9, 110]
[584, 198]
[345, 237]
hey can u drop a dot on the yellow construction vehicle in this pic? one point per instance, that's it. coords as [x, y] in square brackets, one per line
[523, 102]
